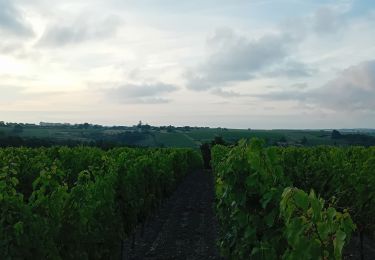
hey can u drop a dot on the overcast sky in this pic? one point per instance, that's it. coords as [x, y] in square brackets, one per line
[230, 63]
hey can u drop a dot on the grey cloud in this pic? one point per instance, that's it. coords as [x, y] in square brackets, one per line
[18, 49]
[323, 22]
[226, 93]
[290, 69]
[12, 21]
[236, 58]
[352, 90]
[11, 47]
[327, 20]
[141, 93]
[8, 48]
[79, 31]
[11, 93]
[296, 27]
[192, 6]
[294, 95]
[149, 100]
[22, 78]
[300, 86]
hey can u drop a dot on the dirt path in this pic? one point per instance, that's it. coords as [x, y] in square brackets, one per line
[185, 226]
[352, 251]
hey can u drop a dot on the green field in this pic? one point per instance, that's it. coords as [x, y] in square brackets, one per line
[175, 137]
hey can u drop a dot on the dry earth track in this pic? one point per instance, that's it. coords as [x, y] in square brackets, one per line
[184, 228]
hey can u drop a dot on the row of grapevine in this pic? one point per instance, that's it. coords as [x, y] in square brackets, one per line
[262, 215]
[346, 176]
[81, 203]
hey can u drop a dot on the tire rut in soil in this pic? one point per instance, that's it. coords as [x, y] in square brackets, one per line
[185, 226]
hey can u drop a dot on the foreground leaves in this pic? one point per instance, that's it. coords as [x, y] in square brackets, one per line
[262, 216]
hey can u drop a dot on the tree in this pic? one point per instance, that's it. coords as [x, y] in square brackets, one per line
[17, 129]
[218, 140]
[170, 129]
[206, 154]
[145, 127]
[336, 134]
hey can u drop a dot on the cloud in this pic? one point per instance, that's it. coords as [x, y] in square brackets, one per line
[226, 93]
[60, 34]
[148, 100]
[12, 21]
[10, 47]
[236, 58]
[141, 93]
[290, 69]
[326, 20]
[352, 90]
[299, 86]
[10, 93]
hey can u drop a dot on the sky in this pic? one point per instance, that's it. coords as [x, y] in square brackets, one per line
[231, 63]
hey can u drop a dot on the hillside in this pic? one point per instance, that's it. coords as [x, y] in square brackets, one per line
[170, 136]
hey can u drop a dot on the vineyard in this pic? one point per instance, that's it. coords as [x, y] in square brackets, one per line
[82, 203]
[270, 202]
[293, 203]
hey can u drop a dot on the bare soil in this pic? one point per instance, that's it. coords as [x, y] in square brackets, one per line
[185, 226]
[352, 250]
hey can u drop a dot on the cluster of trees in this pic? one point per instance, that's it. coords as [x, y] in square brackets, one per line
[354, 139]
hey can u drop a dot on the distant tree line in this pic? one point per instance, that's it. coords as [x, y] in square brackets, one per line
[139, 126]
[354, 139]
